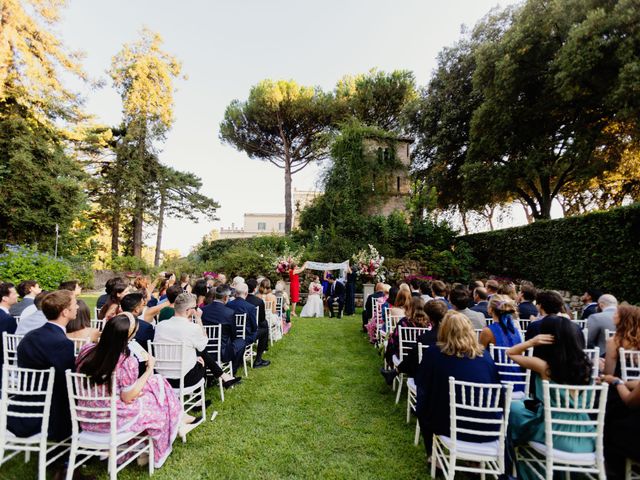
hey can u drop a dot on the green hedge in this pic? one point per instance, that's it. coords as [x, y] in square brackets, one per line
[600, 249]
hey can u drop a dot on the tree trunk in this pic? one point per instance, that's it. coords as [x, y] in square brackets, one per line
[137, 224]
[115, 232]
[156, 260]
[463, 214]
[287, 196]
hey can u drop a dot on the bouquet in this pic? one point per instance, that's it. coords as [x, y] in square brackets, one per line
[284, 262]
[368, 263]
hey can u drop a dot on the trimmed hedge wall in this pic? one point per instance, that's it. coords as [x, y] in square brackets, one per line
[600, 249]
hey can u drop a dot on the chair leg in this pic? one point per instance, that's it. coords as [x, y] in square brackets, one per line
[42, 462]
[408, 405]
[434, 458]
[244, 364]
[151, 467]
[72, 460]
[221, 389]
[113, 465]
[483, 475]
[400, 381]
[416, 440]
[27, 456]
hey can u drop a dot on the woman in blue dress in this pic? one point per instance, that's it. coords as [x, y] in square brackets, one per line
[560, 360]
[503, 333]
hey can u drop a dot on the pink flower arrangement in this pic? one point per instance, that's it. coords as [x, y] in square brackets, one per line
[209, 274]
[368, 263]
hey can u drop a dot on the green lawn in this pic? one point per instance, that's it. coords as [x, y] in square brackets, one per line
[321, 410]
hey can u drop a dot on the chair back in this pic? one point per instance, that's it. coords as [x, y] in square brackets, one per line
[421, 349]
[579, 406]
[391, 322]
[630, 364]
[241, 323]
[488, 320]
[609, 333]
[478, 333]
[376, 310]
[594, 358]
[26, 393]
[214, 346]
[510, 372]
[524, 324]
[91, 403]
[408, 337]
[169, 358]
[96, 312]
[17, 318]
[481, 410]
[580, 323]
[78, 343]
[279, 306]
[99, 324]
[10, 343]
[268, 306]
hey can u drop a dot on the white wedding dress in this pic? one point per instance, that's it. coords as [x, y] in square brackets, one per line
[314, 306]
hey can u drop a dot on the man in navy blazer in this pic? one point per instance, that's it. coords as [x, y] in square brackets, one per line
[337, 294]
[590, 299]
[45, 347]
[367, 311]
[263, 325]
[480, 297]
[240, 306]
[526, 308]
[217, 313]
[8, 298]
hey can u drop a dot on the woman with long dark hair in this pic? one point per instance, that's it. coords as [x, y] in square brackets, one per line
[145, 404]
[80, 327]
[112, 307]
[560, 359]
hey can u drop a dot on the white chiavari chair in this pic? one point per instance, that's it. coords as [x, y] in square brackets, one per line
[10, 343]
[214, 347]
[629, 363]
[241, 331]
[510, 372]
[408, 338]
[413, 393]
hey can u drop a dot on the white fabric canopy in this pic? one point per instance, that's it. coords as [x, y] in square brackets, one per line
[329, 266]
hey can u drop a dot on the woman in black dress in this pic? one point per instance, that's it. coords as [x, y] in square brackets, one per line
[350, 300]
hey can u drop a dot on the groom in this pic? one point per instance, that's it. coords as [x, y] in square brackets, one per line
[336, 294]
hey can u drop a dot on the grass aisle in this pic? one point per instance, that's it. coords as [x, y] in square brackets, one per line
[321, 410]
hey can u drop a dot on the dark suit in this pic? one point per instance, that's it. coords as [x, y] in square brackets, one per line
[40, 349]
[240, 306]
[367, 312]
[217, 313]
[263, 326]
[337, 293]
[17, 308]
[7, 324]
[526, 310]
[481, 307]
[145, 333]
[589, 310]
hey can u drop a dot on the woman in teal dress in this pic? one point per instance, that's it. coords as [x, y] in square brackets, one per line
[562, 361]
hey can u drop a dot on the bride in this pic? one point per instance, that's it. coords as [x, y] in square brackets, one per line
[314, 306]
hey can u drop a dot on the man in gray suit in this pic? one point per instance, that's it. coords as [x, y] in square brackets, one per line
[460, 298]
[597, 323]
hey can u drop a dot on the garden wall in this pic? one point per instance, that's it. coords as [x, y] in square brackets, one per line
[600, 249]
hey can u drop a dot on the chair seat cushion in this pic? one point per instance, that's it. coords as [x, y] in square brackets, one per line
[396, 360]
[35, 438]
[563, 456]
[96, 439]
[489, 449]
[411, 384]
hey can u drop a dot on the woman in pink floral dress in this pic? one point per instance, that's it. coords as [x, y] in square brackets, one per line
[147, 403]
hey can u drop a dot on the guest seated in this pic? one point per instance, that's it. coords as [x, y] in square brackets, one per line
[146, 404]
[367, 311]
[263, 325]
[509, 290]
[492, 287]
[111, 308]
[280, 292]
[36, 319]
[167, 310]
[264, 293]
[481, 302]
[180, 329]
[435, 310]
[457, 354]
[590, 299]
[337, 294]
[46, 347]
[217, 313]
[240, 306]
[627, 325]
[503, 332]
[400, 302]
[200, 290]
[550, 303]
[135, 303]
[108, 288]
[8, 298]
[561, 360]
[526, 308]
[28, 290]
[71, 285]
[80, 327]
[460, 298]
[425, 291]
[598, 323]
[439, 289]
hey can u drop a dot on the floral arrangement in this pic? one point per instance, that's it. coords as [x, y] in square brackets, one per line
[282, 264]
[209, 274]
[368, 263]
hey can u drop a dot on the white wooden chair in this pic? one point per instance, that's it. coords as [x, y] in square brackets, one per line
[510, 372]
[581, 323]
[408, 338]
[78, 343]
[23, 387]
[524, 325]
[86, 444]
[390, 323]
[585, 334]
[275, 326]
[280, 307]
[594, 358]
[169, 363]
[96, 312]
[478, 332]
[488, 320]
[473, 403]
[241, 331]
[17, 318]
[609, 333]
[10, 343]
[632, 470]
[99, 324]
[250, 351]
[214, 347]
[630, 364]
[560, 402]
[413, 394]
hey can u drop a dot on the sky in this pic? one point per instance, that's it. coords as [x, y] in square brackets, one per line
[228, 46]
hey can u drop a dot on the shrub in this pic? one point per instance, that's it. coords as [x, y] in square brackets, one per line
[244, 261]
[18, 264]
[595, 250]
[130, 264]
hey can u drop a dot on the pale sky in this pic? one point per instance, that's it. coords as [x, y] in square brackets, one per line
[228, 46]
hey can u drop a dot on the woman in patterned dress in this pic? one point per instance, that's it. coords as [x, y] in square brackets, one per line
[146, 404]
